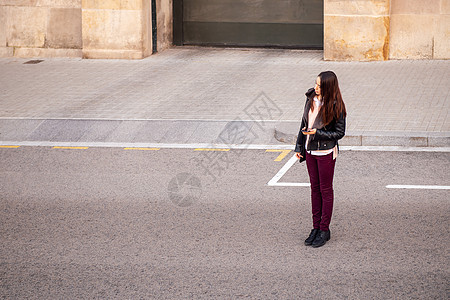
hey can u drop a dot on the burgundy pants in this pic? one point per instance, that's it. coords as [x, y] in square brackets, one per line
[321, 171]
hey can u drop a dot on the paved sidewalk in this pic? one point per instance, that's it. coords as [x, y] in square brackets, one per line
[188, 95]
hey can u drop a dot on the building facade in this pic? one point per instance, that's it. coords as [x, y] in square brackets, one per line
[352, 30]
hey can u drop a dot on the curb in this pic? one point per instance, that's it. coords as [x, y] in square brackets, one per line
[287, 133]
[168, 132]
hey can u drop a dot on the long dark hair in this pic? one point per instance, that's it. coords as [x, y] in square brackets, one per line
[333, 105]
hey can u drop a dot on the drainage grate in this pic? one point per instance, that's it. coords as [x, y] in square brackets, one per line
[33, 62]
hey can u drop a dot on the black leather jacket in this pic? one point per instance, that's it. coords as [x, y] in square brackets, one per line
[326, 137]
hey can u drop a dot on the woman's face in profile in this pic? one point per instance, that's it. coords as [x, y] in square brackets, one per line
[317, 86]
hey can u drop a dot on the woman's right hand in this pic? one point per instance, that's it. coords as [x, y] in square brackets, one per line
[309, 131]
[298, 155]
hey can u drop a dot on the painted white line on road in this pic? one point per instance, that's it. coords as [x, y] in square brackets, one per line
[283, 170]
[71, 148]
[209, 145]
[424, 187]
[211, 149]
[147, 145]
[394, 148]
[290, 184]
[144, 149]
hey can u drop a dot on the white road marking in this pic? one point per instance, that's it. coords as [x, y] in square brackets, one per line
[425, 187]
[290, 184]
[283, 170]
[146, 145]
[272, 182]
[394, 148]
[209, 145]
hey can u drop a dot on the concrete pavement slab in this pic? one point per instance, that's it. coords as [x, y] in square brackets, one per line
[214, 84]
[17, 129]
[58, 130]
[151, 131]
[125, 132]
[207, 132]
[179, 131]
[98, 130]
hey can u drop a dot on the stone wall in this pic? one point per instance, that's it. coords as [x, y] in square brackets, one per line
[420, 29]
[116, 29]
[360, 30]
[82, 28]
[365, 30]
[47, 28]
[356, 30]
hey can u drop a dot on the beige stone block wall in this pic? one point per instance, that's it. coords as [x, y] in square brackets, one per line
[64, 28]
[420, 29]
[6, 51]
[442, 37]
[414, 7]
[356, 30]
[46, 52]
[445, 7]
[37, 27]
[115, 29]
[3, 26]
[113, 4]
[26, 26]
[356, 7]
[412, 36]
[147, 29]
[89, 28]
[18, 2]
[112, 29]
[42, 3]
[356, 38]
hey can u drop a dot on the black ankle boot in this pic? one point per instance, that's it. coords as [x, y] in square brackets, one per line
[321, 238]
[311, 237]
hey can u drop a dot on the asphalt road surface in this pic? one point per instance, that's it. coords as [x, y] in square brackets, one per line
[180, 223]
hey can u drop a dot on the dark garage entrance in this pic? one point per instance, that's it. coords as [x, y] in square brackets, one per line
[249, 23]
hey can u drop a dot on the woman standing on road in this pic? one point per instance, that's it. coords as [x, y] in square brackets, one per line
[323, 124]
